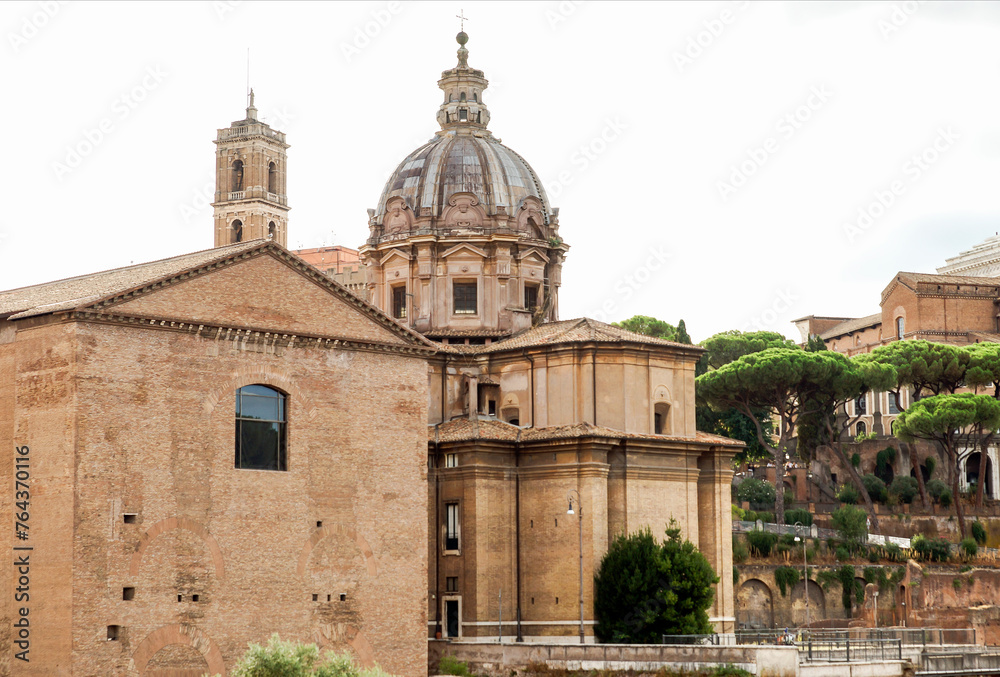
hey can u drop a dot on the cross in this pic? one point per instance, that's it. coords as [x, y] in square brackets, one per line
[461, 15]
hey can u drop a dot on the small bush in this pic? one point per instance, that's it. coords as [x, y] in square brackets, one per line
[883, 463]
[930, 463]
[766, 517]
[757, 492]
[804, 517]
[761, 543]
[905, 487]
[978, 532]
[736, 575]
[946, 499]
[873, 555]
[856, 459]
[786, 578]
[893, 552]
[750, 516]
[738, 513]
[851, 523]
[875, 488]
[787, 539]
[957, 583]
[968, 547]
[848, 494]
[450, 665]
[936, 488]
[842, 554]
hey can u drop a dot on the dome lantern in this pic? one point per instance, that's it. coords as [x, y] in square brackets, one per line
[463, 106]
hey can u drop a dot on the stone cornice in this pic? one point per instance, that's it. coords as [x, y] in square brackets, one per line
[248, 335]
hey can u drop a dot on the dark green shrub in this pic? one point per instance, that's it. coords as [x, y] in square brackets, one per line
[946, 499]
[931, 549]
[873, 555]
[978, 532]
[883, 463]
[842, 554]
[968, 547]
[750, 516]
[905, 488]
[875, 488]
[848, 494]
[757, 492]
[786, 577]
[787, 539]
[856, 460]
[851, 588]
[851, 523]
[766, 517]
[761, 543]
[736, 575]
[936, 488]
[804, 517]
[930, 463]
[740, 551]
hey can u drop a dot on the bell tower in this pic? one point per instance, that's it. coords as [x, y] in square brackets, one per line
[251, 200]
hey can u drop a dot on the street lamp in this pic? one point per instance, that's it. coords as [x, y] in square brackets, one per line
[579, 512]
[805, 570]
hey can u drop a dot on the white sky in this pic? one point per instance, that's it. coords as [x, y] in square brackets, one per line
[886, 81]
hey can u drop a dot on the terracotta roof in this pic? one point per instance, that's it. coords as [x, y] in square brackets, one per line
[852, 325]
[988, 337]
[462, 429]
[74, 292]
[580, 330]
[466, 333]
[88, 290]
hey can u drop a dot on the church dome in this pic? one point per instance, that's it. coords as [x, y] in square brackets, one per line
[455, 162]
[464, 177]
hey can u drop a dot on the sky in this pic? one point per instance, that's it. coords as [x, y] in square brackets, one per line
[735, 164]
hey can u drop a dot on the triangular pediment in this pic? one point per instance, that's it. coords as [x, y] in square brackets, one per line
[534, 253]
[466, 248]
[266, 288]
[395, 254]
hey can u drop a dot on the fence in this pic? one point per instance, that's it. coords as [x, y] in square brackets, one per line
[846, 650]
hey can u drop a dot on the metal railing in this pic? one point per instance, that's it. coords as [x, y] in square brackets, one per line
[846, 650]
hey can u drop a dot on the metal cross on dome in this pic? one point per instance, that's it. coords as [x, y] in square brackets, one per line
[461, 15]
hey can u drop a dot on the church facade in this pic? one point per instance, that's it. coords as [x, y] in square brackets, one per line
[529, 415]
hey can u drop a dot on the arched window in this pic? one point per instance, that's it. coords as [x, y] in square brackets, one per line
[475, 97]
[862, 428]
[461, 97]
[272, 178]
[272, 231]
[237, 231]
[861, 406]
[260, 428]
[900, 326]
[237, 183]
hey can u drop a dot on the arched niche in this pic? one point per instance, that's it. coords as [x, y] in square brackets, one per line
[754, 605]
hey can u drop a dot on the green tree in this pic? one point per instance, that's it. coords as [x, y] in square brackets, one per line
[789, 382]
[650, 326]
[291, 659]
[721, 349]
[984, 371]
[644, 589]
[815, 343]
[852, 524]
[951, 421]
[926, 368]
[682, 333]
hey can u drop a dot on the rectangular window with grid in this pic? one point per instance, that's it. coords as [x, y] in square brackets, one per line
[465, 298]
[451, 526]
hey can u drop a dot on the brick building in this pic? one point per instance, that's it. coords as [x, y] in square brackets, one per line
[954, 309]
[157, 543]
